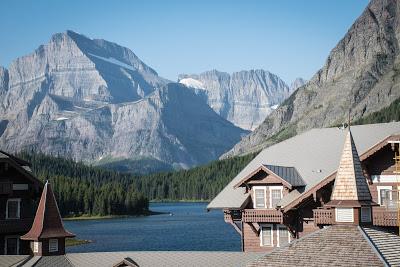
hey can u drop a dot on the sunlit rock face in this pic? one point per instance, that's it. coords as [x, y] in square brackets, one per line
[244, 98]
[96, 101]
[361, 73]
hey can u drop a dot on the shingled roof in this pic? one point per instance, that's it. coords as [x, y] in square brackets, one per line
[47, 222]
[315, 155]
[350, 182]
[338, 245]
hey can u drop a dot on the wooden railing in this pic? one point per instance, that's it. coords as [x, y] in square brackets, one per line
[232, 215]
[15, 225]
[384, 217]
[262, 215]
[323, 216]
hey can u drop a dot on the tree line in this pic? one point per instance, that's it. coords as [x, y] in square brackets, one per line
[82, 189]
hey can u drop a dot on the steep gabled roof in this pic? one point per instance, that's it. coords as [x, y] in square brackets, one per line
[350, 182]
[287, 175]
[315, 155]
[47, 222]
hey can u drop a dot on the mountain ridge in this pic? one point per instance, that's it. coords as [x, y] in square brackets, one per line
[244, 97]
[91, 100]
[361, 73]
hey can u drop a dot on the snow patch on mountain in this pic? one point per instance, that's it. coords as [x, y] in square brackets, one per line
[193, 83]
[114, 61]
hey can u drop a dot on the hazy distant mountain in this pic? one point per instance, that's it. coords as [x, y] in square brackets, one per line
[361, 73]
[298, 82]
[244, 98]
[96, 101]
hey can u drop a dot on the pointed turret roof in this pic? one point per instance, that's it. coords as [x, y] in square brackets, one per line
[350, 183]
[47, 222]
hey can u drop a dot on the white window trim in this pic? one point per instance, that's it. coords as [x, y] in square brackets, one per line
[369, 214]
[270, 194]
[35, 246]
[278, 227]
[352, 215]
[389, 178]
[56, 242]
[261, 235]
[254, 196]
[383, 187]
[18, 211]
[5, 243]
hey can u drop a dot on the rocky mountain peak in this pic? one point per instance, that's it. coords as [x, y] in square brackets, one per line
[244, 98]
[361, 73]
[298, 82]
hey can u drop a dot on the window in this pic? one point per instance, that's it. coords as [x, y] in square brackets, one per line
[365, 214]
[13, 208]
[36, 247]
[259, 196]
[275, 195]
[53, 245]
[266, 236]
[20, 187]
[283, 236]
[384, 194]
[344, 215]
[11, 246]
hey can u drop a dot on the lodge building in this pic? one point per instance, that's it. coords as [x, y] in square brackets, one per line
[30, 222]
[323, 177]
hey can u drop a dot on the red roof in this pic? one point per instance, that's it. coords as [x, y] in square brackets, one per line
[47, 222]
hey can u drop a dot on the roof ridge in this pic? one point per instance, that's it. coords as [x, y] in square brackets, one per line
[373, 246]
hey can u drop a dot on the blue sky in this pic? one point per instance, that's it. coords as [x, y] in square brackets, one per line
[291, 38]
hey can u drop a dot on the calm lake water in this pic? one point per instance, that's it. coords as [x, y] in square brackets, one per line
[190, 228]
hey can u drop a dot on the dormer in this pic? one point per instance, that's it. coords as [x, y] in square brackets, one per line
[268, 184]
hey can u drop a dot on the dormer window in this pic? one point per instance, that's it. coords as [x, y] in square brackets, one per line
[275, 195]
[259, 196]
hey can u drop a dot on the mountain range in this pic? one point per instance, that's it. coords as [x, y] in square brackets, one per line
[95, 101]
[244, 98]
[361, 74]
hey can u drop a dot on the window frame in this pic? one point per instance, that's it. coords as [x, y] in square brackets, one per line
[369, 214]
[50, 248]
[35, 246]
[276, 187]
[5, 243]
[352, 215]
[254, 196]
[18, 209]
[261, 235]
[278, 227]
[383, 187]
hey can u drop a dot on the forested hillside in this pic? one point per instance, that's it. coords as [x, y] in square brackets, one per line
[96, 191]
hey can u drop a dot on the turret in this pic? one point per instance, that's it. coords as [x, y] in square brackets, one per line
[47, 234]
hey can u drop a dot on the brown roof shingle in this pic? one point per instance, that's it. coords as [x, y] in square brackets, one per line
[338, 245]
[47, 222]
[350, 182]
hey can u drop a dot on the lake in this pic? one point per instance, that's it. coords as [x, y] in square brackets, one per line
[190, 228]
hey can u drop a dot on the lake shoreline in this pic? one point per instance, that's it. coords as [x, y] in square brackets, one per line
[109, 217]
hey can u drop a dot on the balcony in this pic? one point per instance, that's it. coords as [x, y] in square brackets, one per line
[385, 217]
[232, 215]
[262, 215]
[323, 216]
[15, 225]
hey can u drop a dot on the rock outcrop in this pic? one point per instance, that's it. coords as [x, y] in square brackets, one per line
[361, 73]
